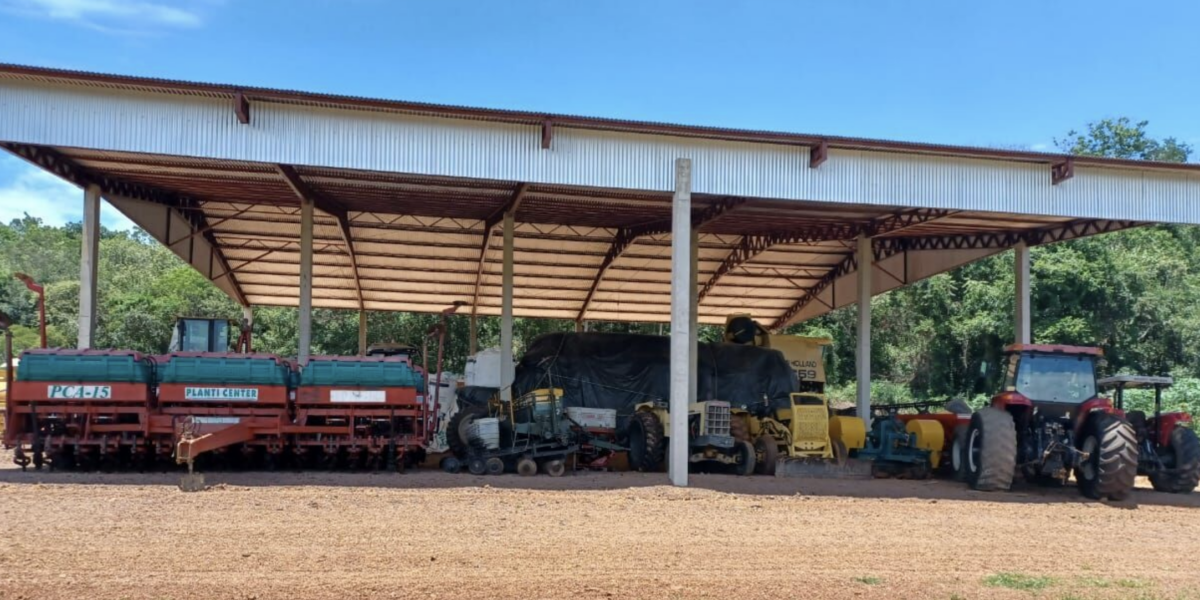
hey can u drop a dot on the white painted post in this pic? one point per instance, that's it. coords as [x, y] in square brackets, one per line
[506, 313]
[306, 280]
[1023, 329]
[88, 262]
[362, 333]
[865, 258]
[683, 289]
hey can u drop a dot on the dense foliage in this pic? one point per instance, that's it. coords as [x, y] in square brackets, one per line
[1135, 293]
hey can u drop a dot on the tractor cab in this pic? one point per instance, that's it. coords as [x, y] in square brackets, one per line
[1054, 381]
[203, 334]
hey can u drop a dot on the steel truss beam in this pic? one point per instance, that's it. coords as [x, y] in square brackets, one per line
[187, 208]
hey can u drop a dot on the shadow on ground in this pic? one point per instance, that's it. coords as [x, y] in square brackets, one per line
[929, 490]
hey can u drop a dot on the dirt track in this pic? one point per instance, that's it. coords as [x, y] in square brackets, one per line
[431, 535]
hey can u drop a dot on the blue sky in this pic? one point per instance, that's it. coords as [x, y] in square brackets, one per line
[1002, 74]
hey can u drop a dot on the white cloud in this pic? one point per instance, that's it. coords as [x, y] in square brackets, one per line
[25, 189]
[114, 16]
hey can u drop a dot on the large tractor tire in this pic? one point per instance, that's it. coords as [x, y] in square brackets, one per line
[766, 450]
[645, 441]
[1111, 467]
[991, 452]
[1182, 457]
[456, 429]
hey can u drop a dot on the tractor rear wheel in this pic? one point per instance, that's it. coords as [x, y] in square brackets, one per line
[1111, 466]
[991, 451]
[456, 429]
[645, 441]
[766, 451]
[744, 453]
[958, 448]
[1182, 456]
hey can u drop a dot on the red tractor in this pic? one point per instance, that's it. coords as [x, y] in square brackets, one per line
[1168, 449]
[1046, 422]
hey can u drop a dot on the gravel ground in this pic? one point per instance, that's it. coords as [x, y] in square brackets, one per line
[618, 535]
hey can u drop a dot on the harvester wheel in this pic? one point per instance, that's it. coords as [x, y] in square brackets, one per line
[991, 450]
[526, 467]
[494, 466]
[739, 429]
[477, 466]
[1111, 467]
[958, 457]
[556, 467]
[1182, 457]
[766, 450]
[456, 429]
[745, 458]
[645, 441]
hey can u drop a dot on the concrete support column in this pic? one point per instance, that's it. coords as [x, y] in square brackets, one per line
[865, 258]
[306, 279]
[506, 312]
[1022, 327]
[362, 333]
[474, 336]
[683, 290]
[88, 263]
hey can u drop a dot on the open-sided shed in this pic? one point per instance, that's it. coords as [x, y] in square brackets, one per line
[301, 199]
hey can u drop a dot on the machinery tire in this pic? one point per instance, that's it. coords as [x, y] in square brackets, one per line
[556, 467]
[1110, 470]
[766, 447]
[451, 464]
[991, 450]
[739, 429]
[477, 466]
[645, 442]
[958, 462]
[745, 458]
[494, 466]
[456, 429]
[526, 467]
[840, 454]
[1184, 447]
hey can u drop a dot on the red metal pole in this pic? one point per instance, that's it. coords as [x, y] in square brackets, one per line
[437, 389]
[41, 292]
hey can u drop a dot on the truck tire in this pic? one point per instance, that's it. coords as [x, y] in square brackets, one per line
[1109, 471]
[766, 447]
[991, 451]
[1183, 459]
[746, 461]
[645, 441]
[958, 445]
[456, 429]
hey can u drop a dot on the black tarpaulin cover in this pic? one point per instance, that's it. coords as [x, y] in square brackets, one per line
[619, 370]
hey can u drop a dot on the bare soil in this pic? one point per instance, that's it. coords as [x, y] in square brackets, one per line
[427, 534]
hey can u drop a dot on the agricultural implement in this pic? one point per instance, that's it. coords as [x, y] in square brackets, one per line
[529, 434]
[1047, 422]
[1168, 449]
[710, 440]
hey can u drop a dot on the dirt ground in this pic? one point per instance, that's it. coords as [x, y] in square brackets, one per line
[617, 535]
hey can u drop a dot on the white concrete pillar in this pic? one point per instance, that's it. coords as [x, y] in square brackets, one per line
[474, 336]
[89, 261]
[506, 313]
[1023, 329]
[694, 325]
[306, 279]
[865, 258]
[683, 289]
[362, 333]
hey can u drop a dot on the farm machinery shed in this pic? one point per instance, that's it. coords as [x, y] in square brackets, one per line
[313, 200]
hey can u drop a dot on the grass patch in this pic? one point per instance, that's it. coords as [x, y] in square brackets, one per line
[1018, 581]
[869, 580]
[1101, 582]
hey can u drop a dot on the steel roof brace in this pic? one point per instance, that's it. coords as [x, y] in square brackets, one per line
[818, 154]
[1060, 172]
[304, 192]
[241, 107]
[489, 224]
[547, 133]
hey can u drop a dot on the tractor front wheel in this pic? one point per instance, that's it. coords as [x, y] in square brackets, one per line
[1181, 457]
[958, 449]
[745, 458]
[991, 450]
[1111, 465]
[645, 441]
[766, 451]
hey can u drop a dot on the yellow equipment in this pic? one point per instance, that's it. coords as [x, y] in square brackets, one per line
[709, 437]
